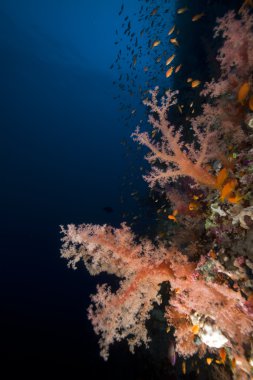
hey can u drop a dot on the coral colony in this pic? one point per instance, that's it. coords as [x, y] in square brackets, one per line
[208, 260]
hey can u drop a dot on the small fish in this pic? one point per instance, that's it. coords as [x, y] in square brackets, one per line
[169, 72]
[223, 354]
[184, 367]
[209, 360]
[182, 10]
[189, 80]
[174, 41]
[212, 254]
[172, 353]
[198, 16]
[154, 11]
[179, 109]
[233, 363]
[243, 92]
[195, 329]
[173, 216]
[153, 133]
[170, 59]
[156, 43]
[195, 83]
[236, 199]
[191, 104]
[171, 30]
[193, 206]
[178, 68]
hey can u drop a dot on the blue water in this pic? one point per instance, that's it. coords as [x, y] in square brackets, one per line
[61, 162]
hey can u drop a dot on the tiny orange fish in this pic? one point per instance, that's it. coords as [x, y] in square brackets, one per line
[195, 329]
[182, 10]
[212, 254]
[173, 216]
[195, 83]
[170, 59]
[169, 72]
[171, 30]
[236, 199]
[174, 41]
[154, 11]
[178, 68]
[184, 367]
[189, 80]
[193, 206]
[243, 92]
[223, 354]
[198, 16]
[209, 360]
[156, 43]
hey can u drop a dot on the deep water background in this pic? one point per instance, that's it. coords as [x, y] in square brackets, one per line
[61, 162]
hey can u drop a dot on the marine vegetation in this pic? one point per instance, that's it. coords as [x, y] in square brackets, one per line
[207, 255]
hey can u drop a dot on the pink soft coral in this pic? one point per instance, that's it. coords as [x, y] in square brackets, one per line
[179, 159]
[142, 268]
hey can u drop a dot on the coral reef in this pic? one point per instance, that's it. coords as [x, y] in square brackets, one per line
[208, 257]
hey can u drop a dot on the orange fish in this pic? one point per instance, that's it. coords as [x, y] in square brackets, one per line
[195, 329]
[189, 80]
[198, 16]
[169, 72]
[182, 10]
[170, 59]
[171, 30]
[184, 367]
[212, 254]
[174, 41]
[243, 92]
[223, 354]
[233, 363]
[228, 189]
[195, 83]
[193, 206]
[178, 68]
[236, 199]
[154, 11]
[156, 43]
[221, 177]
[209, 360]
[173, 216]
